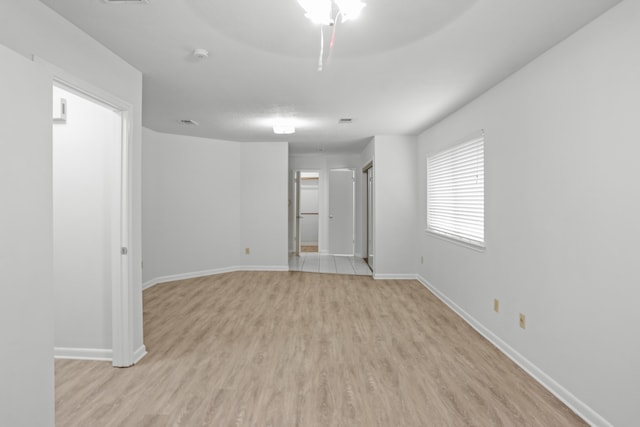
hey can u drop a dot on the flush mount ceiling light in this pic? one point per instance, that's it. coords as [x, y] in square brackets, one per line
[284, 126]
[321, 12]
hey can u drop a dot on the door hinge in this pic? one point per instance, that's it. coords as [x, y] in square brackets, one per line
[123, 251]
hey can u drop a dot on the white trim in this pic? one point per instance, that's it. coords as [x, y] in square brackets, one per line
[102, 354]
[394, 276]
[576, 405]
[183, 276]
[263, 268]
[122, 272]
[139, 354]
[323, 251]
[457, 241]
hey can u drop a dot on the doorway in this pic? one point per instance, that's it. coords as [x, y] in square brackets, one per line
[307, 212]
[90, 228]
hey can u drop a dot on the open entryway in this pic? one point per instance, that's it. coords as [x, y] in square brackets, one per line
[324, 207]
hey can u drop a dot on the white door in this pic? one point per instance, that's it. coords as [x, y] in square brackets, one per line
[341, 211]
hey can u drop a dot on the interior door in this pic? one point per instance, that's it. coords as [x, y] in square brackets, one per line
[341, 211]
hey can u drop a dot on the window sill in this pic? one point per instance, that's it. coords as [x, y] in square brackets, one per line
[463, 243]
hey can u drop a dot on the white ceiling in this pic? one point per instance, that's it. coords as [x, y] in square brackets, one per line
[401, 67]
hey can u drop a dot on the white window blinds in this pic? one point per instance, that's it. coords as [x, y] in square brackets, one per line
[455, 192]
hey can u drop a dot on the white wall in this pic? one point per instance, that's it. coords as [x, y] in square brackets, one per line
[562, 208]
[26, 277]
[86, 157]
[34, 29]
[323, 162]
[190, 204]
[263, 198]
[205, 201]
[395, 205]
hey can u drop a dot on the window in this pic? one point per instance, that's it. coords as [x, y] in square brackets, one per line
[455, 192]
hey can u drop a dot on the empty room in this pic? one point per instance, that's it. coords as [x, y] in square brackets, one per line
[319, 213]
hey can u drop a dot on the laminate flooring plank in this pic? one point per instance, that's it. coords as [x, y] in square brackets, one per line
[304, 349]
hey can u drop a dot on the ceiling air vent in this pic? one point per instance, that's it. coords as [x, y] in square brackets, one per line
[188, 122]
[126, 1]
[345, 120]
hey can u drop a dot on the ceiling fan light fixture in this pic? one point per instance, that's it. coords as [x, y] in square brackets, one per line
[350, 9]
[126, 1]
[317, 11]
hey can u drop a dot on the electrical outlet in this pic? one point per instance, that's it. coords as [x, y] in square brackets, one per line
[522, 321]
[422, 260]
[247, 251]
[496, 305]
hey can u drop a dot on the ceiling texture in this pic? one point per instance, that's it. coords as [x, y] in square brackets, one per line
[400, 67]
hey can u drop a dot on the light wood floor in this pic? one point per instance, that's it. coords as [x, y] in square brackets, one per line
[301, 349]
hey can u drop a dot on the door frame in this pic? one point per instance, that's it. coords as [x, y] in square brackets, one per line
[296, 212]
[368, 180]
[122, 318]
[297, 215]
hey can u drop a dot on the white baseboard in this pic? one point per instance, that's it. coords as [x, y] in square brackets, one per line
[83, 353]
[394, 276]
[203, 273]
[578, 406]
[323, 251]
[183, 276]
[263, 268]
[139, 354]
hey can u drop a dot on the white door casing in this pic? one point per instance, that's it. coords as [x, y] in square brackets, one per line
[297, 216]
[122, 275]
